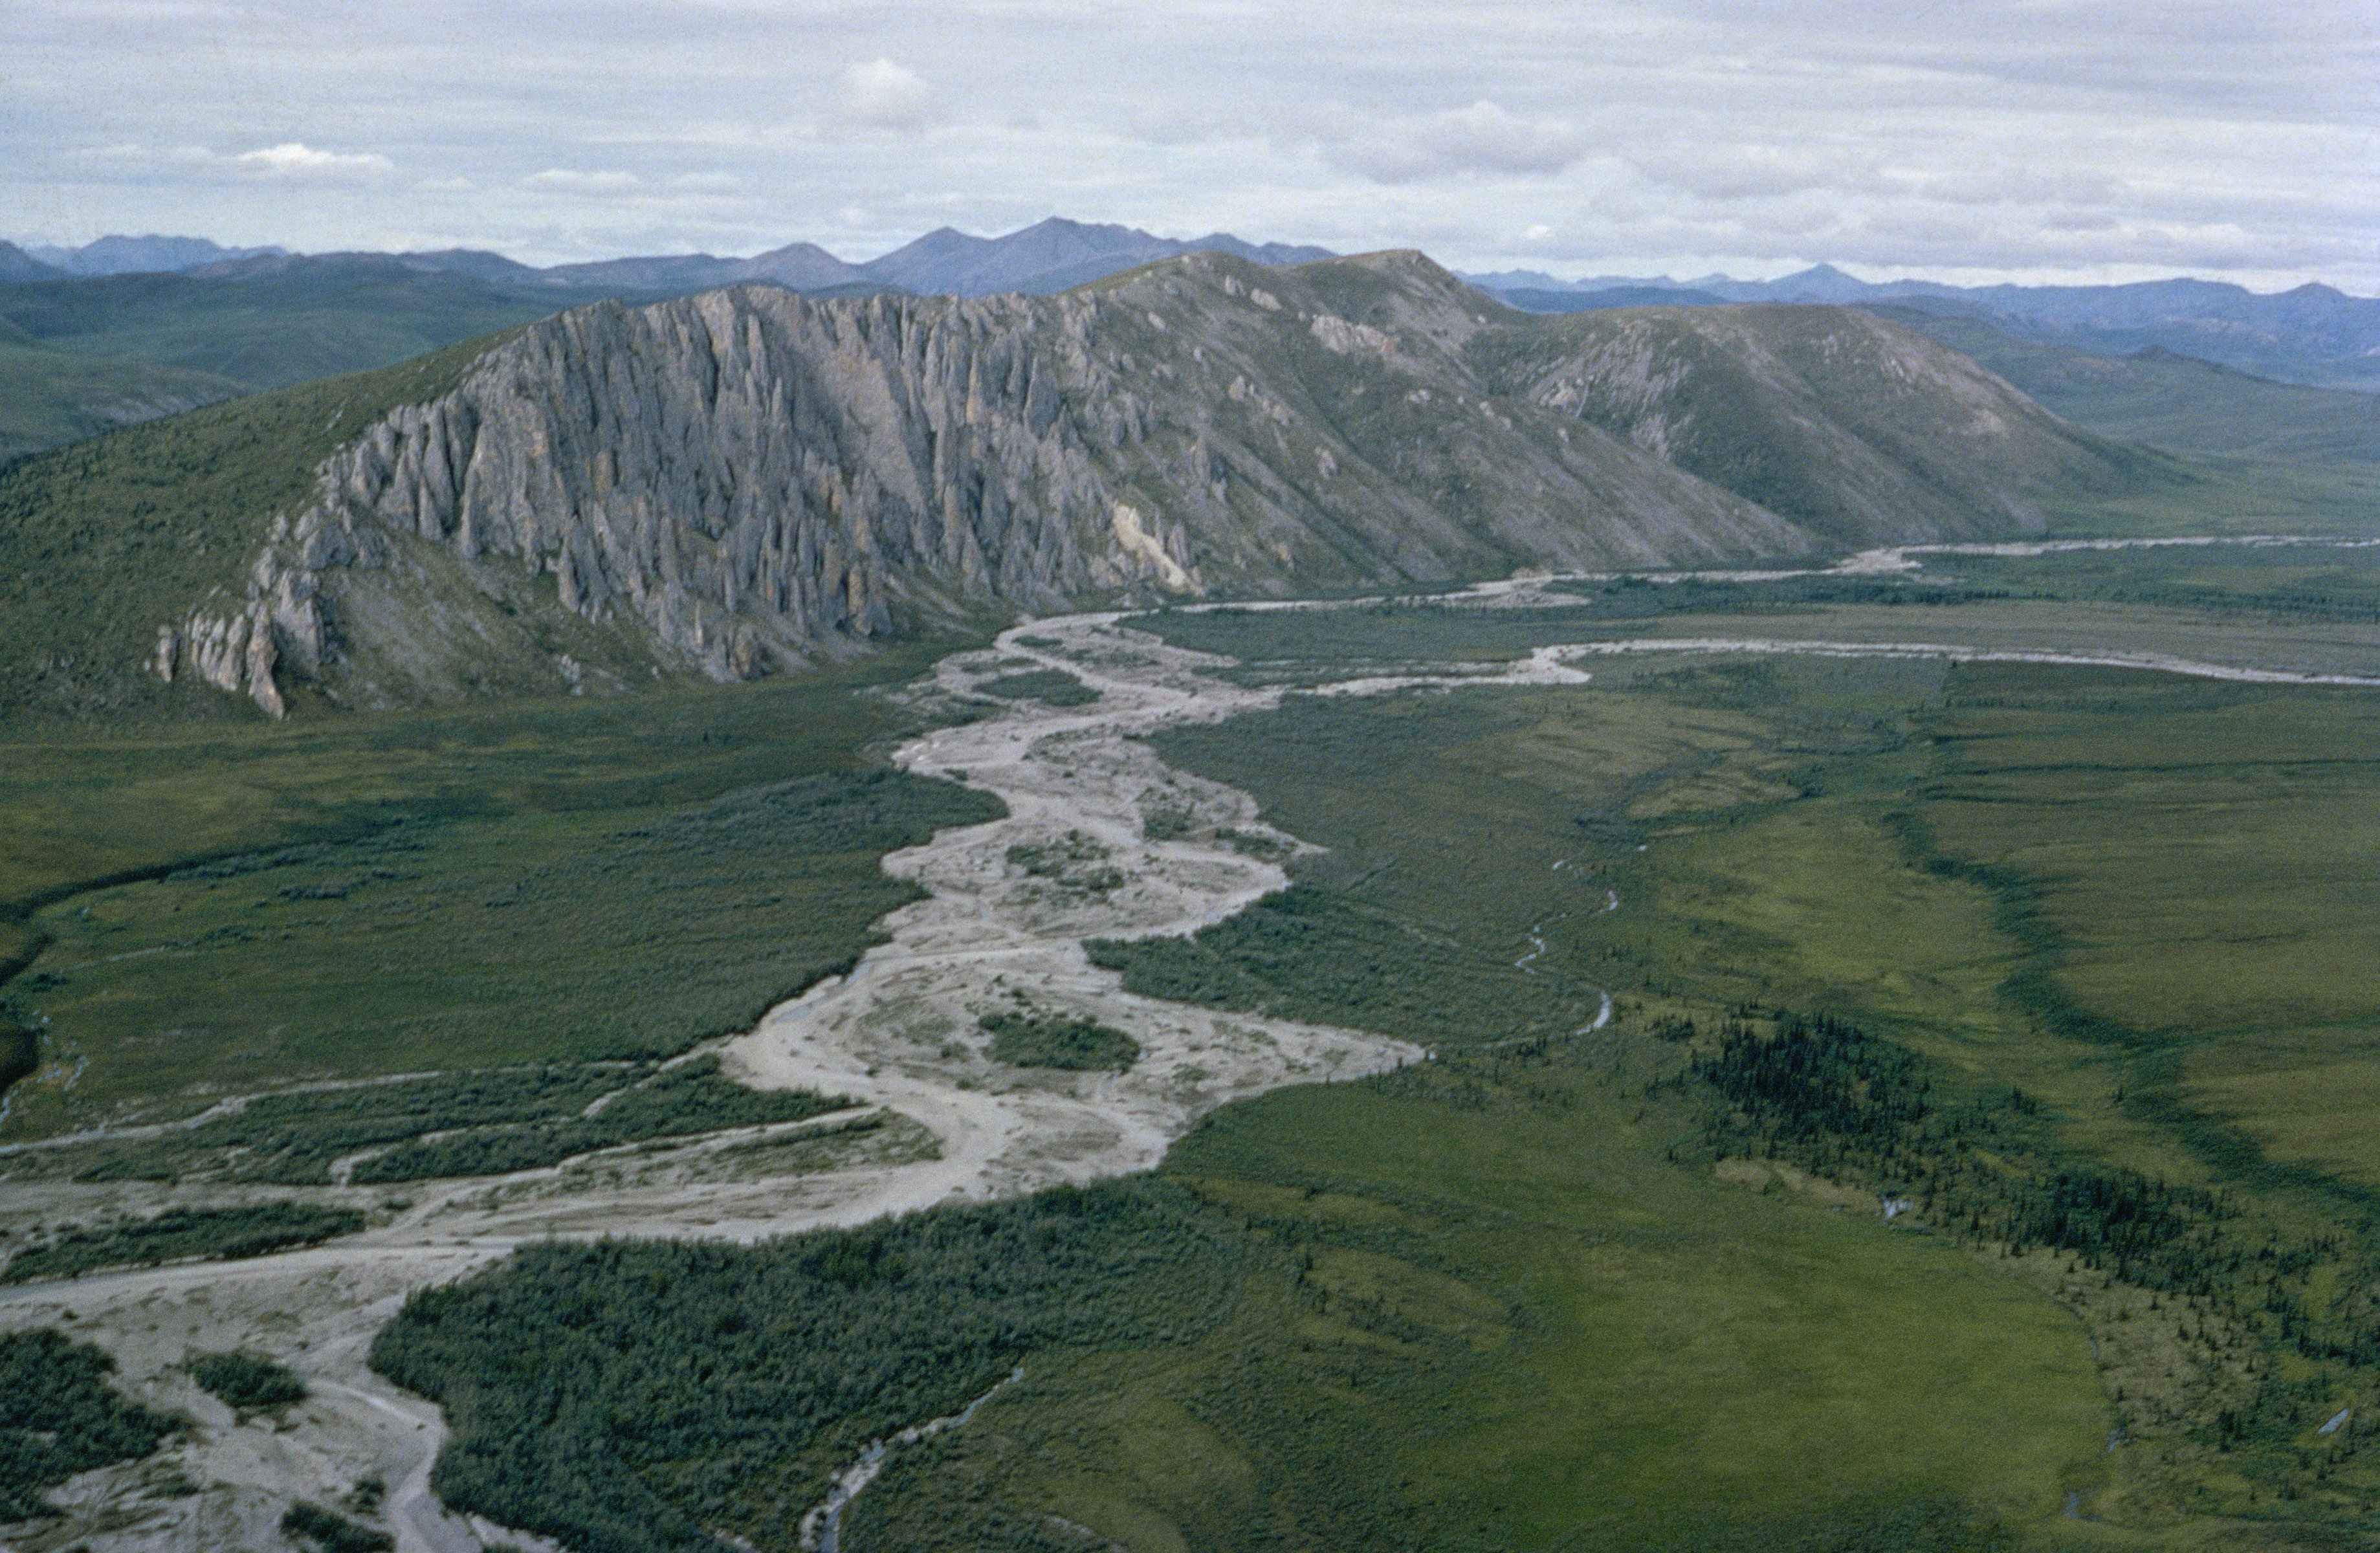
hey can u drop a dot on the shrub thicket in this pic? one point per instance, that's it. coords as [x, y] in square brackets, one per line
[58, 1416]
[1041, 1040]
[178, 1235]
[627, 1396]
[247, 1382]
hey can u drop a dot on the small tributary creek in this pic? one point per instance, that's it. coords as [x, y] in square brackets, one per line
[822, 1528]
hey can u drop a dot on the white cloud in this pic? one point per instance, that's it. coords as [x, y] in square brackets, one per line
[287, 159]
[1718, 171]
[457, 184]
[885, 95]
[707, 183]
[125, 154]
[1538, 233]
[294, 158]
[567, 180]
[1482, 139]
[1690, 135]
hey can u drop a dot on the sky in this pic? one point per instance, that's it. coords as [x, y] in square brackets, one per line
[2026, 139]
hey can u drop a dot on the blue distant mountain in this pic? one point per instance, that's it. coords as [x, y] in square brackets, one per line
[17, 267]
[1050, 256]
[150, 255]
[2311, 334]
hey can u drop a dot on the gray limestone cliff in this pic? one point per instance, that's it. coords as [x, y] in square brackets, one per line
[746, 481]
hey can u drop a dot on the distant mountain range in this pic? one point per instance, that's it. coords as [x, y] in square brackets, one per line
[126, 328]
[2312, 335]
[130, 256]
[130, 327]
[1050, 256]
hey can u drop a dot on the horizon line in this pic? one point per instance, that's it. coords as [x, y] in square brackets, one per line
[1844, 268]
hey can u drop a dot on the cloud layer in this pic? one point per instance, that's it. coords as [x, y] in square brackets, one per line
[2078, 139]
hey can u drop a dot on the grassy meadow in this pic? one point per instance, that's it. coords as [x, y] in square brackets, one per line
[1508, 1329]
[1472, 1307]
[2133, 900]
[192, 912]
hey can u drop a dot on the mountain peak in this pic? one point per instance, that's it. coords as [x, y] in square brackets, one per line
[154, 254]
[17, 267]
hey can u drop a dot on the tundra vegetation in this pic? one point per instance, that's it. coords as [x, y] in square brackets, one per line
[248, 1382]
[2042, 957]
[60, 1416]
[1054, 687]
[176, 1235]
[542, 884]
[1030, 1038]
[322, 1530]
[1899, 933]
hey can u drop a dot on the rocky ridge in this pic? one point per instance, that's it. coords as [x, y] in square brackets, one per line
[746, 481]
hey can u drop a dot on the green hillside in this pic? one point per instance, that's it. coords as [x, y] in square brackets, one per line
[107, 538]
[49, 396]
[288, 323]
[1858, 430]
[2174, 402]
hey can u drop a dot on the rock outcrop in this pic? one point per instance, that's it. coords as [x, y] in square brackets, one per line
[746, 482]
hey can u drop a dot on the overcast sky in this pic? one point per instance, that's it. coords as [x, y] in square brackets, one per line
[1996, 138]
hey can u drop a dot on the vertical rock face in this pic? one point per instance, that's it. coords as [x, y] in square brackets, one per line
[745, 474]
[745, 482]
[743, 477]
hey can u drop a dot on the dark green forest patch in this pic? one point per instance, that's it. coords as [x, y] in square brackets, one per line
[720, 1386]
[59, 1416]
[180, 1234]
[1053, 687]
[1031, 1038]
[248, 1382]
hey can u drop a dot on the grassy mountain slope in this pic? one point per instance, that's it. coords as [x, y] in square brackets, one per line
[2168, 401]
[283, 321]
[107, 537]
[48, 396]
[1861, 429]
